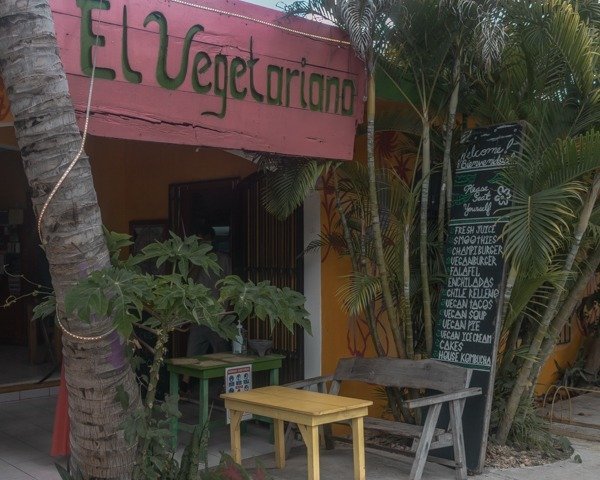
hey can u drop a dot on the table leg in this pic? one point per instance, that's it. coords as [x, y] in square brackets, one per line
[311, 439]
[274, 376]
[279, 444]
[174, 390]
[234, 430]
[203, 398]
[358, 447]
[273, 380]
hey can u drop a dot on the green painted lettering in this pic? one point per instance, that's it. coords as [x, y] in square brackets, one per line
[197, 70]
[130, 74]
[347, 83]
[271, 70]
[289, 76]
[89, 39]
[302, 82]
[238, 69]
[162, 77]
[316, 79]
[259, 97]
[220, 79]
[332, 82]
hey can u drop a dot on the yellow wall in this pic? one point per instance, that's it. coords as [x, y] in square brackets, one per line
[563, 355]
[132, 178]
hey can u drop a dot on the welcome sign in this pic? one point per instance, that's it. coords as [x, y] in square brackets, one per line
[469, 321]
[229, 75]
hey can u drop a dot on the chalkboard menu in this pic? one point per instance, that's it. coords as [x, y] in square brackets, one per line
[471, 302]
[465, 331]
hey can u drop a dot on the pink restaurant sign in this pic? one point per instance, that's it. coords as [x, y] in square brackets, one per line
[171, 72]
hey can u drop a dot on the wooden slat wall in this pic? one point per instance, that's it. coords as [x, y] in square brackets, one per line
[273, 252]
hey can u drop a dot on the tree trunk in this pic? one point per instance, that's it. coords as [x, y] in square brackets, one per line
[406, 308]
[514, 335]
[446, 186]
[377, 235]
[424, 264]
[523, 382]
[511, 344]
[49, 139]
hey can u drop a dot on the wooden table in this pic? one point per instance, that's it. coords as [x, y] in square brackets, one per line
[306, 409]
[205, 367]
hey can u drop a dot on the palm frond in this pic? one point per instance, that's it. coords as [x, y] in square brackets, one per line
[362, 20]
[359, 292]
[575, 40]
[327, 10]
[555, 26]
[530, 290]
[569, 159]
[538, 225]
[589, 11]
[335, 241]
[288, 180]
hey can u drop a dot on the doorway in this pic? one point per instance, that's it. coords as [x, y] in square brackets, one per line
[260, 247]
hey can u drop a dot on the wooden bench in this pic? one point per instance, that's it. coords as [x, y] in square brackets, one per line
[430, 375]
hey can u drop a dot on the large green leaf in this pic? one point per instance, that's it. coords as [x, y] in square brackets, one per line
[287, 181]
[569, 159]
[538, 225]
[359, 292]
[182, 254]
[530, 290]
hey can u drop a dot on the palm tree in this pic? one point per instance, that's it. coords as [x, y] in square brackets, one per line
[548, 78]
[363, 21]
[71, 233]
[411, 40]
[430, 44]
[477, 36]
[416, 55]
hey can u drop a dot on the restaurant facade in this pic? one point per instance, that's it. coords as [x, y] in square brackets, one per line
[183, 95]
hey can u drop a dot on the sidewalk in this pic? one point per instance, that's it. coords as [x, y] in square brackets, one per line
[26, 429]
[337, 464]
[26, 433]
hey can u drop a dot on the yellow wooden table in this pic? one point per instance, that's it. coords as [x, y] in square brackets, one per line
[306, 409]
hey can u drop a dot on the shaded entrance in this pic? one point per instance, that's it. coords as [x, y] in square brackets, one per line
[29, 350]
[260, 246]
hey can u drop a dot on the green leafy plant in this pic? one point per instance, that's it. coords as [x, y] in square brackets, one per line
[160, 303]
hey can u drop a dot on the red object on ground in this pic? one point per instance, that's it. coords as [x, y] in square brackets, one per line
[60, 433]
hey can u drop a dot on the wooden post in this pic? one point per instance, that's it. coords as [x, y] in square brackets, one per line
[423, 448]
[279, 444]
[311, 439]
[236, 441]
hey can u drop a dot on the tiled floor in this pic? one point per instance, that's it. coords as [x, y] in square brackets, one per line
[25, 435]
[26, 430]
